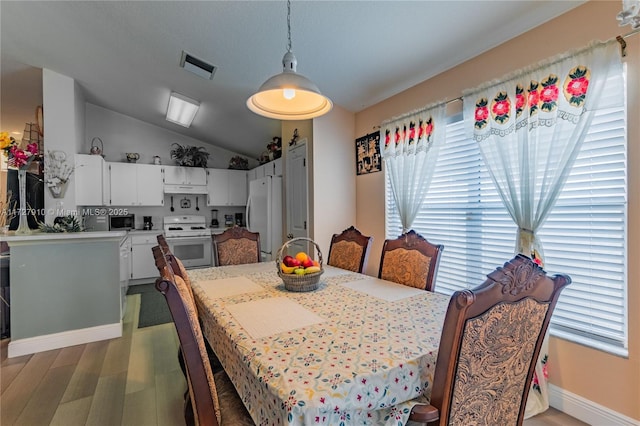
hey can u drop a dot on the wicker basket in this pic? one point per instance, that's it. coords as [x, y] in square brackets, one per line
[293, 282]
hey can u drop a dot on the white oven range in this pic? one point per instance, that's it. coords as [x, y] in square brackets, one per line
[189, 240]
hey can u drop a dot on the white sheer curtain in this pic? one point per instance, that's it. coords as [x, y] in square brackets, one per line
[530, 127]
[411, 145]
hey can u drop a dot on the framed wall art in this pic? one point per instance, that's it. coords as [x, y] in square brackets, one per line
[368, 159]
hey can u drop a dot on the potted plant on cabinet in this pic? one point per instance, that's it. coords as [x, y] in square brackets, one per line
[189, 156]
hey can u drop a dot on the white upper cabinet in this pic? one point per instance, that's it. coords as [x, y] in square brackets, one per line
[149, 182]
[237, 187]
[226, 187]
[90, 175]
[272, 168]
[251, 174]
[176, 175]
[277, 167]
[135, 185]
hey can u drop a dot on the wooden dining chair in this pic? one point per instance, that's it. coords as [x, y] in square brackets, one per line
[410, 260]
[349, 250]
[236, 246]
[489, 347]
[178, 268]
[212, 399]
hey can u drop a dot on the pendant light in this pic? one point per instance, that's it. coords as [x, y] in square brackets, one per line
[289, 95]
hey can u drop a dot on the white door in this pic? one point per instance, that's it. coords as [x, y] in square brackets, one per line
[296, 197]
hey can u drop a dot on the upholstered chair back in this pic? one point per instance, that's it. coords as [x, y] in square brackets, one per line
[410, 260]
[490, 344]
[237, 246]
[349, 250]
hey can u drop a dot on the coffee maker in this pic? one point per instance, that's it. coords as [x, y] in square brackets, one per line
[238, 217]
[148, 225]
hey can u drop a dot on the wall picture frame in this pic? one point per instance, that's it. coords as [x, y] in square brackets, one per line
[368, 159]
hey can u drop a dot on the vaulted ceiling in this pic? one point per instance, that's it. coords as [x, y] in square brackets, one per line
[125, 54]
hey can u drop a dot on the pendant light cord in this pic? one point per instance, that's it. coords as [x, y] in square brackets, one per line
[289, 24]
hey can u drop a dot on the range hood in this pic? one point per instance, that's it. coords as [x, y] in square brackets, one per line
[185, 189]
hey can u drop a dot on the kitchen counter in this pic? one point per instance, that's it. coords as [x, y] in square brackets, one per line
[43, 237]
[217, 231]
[65, 289]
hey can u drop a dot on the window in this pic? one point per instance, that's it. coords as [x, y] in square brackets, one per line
[584, 236]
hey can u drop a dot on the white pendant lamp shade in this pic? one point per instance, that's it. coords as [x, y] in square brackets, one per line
[289, 95]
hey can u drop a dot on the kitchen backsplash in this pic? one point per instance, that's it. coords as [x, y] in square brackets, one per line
[158, 213]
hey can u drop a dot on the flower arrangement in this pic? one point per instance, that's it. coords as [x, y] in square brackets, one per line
[57, 172]
[18, 158]
[239, 163]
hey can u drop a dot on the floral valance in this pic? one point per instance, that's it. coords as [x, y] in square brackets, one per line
[411, 145]
[543, 95]
[414, 132]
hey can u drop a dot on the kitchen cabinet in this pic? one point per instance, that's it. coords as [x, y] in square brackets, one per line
[252, 174]
[176, 175]
[142, 262]
[277, 167]
[91, 180]
[135, 185]
[226, 187]
[272, 168]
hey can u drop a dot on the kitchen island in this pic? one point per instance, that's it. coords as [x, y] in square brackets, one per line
[65, 289]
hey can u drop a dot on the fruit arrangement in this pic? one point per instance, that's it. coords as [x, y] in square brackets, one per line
[299, 272]
[300, 264]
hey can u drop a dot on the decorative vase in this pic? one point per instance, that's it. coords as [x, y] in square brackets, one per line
[23, 224]
[58, 190]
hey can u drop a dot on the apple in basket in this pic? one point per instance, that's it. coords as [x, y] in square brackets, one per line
[291, 261]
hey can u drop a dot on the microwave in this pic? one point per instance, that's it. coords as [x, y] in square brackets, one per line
[126, 222]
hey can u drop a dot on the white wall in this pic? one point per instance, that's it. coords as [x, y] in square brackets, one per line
[334, 176]
[121, 134]
[63, 113]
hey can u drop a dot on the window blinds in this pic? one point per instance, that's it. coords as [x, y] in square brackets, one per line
[584, 236]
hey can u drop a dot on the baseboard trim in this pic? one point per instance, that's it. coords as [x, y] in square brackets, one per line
[64, 339]
[587, 411]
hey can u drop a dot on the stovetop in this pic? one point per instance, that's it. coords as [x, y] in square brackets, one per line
[185, 226]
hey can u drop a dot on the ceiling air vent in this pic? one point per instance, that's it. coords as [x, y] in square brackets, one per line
[197, 66]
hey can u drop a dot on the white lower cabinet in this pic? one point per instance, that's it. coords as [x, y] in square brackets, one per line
[142, 262]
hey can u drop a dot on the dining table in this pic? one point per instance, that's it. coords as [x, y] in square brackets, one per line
[357, 350]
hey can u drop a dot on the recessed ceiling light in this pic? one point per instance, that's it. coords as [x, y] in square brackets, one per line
[181, 109]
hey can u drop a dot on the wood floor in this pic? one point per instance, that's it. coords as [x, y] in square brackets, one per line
[134, 380]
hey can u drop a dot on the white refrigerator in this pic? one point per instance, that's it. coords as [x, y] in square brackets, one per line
[264, 214]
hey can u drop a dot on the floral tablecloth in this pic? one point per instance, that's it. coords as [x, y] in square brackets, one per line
[361, 361]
